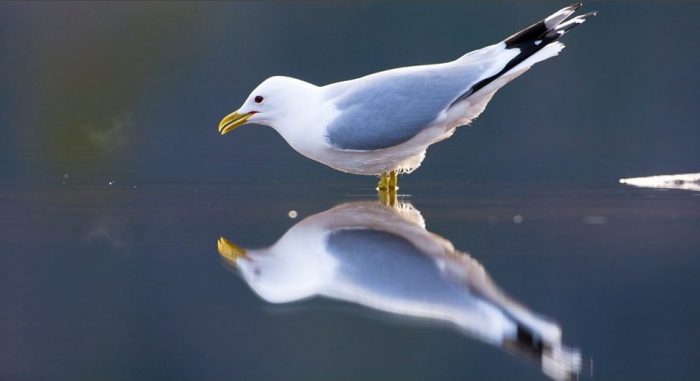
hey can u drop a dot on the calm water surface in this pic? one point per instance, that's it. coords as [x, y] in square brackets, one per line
[125, 281]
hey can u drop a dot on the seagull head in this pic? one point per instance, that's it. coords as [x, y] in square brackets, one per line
[282, 273]
[275, 100]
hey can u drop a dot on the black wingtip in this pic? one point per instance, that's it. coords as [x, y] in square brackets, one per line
[539, 29]
[534, 38]
[566, 26]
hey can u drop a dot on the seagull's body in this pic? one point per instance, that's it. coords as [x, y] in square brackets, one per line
[384, 122]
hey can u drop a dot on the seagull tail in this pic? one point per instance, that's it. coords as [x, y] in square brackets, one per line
[535, 43]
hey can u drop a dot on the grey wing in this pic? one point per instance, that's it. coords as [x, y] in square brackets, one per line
[383, 111]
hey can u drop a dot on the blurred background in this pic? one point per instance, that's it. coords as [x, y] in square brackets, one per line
[135, 91]
[115, 186]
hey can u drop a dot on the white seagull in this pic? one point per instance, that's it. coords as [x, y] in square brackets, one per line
[382, 123]
[384, 259]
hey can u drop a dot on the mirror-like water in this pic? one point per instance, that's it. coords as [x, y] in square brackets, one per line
[116, 281]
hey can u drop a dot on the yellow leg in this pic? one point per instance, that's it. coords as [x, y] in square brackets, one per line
[388, 182]
[383, 184]
[393, 181]
[387, 197]
[386, 188]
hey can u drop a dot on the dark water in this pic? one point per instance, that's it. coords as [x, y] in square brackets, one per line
[118, 282]
[115, 188]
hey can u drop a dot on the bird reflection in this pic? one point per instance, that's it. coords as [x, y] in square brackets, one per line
[383, 258]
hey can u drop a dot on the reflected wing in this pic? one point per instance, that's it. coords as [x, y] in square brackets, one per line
[389, 267]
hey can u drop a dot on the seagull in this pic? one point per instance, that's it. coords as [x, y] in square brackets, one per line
[383, 259]
[381, 124]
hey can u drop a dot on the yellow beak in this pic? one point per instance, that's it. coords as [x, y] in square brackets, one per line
[232, 121]
[229, 250]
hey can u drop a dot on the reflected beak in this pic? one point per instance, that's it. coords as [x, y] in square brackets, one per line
[230, 251]
[233, 120]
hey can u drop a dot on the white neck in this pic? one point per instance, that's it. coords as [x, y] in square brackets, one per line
[301, 122]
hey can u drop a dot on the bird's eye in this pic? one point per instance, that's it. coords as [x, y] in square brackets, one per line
[259, 99]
